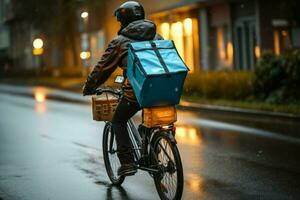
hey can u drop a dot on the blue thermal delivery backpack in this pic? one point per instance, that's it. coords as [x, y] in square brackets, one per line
[156, 72]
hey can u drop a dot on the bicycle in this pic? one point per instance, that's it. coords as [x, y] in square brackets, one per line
[155, 151]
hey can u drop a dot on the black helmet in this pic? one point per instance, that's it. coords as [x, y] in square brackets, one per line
[129, 11]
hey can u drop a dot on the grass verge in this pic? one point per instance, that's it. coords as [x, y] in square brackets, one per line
[253, 105]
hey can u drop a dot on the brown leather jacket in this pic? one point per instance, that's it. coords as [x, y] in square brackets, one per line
[116, 55]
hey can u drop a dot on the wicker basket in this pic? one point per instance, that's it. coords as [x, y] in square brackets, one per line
[104, 107]
[159, 116]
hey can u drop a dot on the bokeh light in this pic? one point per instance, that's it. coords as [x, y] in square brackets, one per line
[38, 43]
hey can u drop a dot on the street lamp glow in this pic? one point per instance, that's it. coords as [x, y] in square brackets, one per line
[84, 15]
[85, 55]
[38, 43]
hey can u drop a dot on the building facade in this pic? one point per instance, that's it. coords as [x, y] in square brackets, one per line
[16, 38]
[5, 39]
[209, 34]
[219, 34]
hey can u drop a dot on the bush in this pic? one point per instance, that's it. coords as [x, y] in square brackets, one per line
[277, 78]
[221, 84]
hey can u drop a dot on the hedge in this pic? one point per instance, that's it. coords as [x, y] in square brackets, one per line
[277, 78]
[219, 84]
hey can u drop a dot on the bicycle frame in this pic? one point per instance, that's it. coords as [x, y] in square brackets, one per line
[135, 139]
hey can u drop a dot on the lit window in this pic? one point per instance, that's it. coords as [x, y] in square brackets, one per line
[188, 26]
[165, 30]
[257, 52]
[221, 44]
[189, 46]
[183, 33]
[177, 36]
[224, 48]
[276, 42]
[230, 52]
[282, 41]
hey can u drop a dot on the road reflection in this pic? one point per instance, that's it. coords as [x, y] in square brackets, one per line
[40, 95]
[188, 135]
[198, 145]
[113, 191]
[195, 182]
[191, 145]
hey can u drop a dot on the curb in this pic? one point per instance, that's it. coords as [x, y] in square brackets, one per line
[237, 111]
[50, 93]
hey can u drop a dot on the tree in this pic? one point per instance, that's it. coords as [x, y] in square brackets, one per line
[57, 20]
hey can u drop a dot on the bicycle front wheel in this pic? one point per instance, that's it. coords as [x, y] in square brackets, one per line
[169, 181]
[110, 157]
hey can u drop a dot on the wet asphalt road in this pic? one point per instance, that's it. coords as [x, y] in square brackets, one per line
[51, 150]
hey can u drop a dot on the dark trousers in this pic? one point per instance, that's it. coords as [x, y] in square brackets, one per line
[124, 111]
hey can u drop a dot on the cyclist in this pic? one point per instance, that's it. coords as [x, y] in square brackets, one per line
[134, 27]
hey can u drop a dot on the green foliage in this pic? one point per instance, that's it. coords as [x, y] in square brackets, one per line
[222, 84]
[56, 21]
[52, 16]
[277, 78]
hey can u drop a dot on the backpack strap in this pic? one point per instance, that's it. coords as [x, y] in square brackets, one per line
[162, 62]
[137, 61]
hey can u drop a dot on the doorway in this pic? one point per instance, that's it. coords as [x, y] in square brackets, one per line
[245, 42]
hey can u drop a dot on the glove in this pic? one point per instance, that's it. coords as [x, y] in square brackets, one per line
[87, 91]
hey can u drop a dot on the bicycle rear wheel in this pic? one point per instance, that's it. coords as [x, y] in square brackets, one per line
[110, 157]
[169, 181]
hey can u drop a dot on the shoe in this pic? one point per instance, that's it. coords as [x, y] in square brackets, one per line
[127, 170]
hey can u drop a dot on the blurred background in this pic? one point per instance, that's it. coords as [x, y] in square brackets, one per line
[238, 121]
[51, 41]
